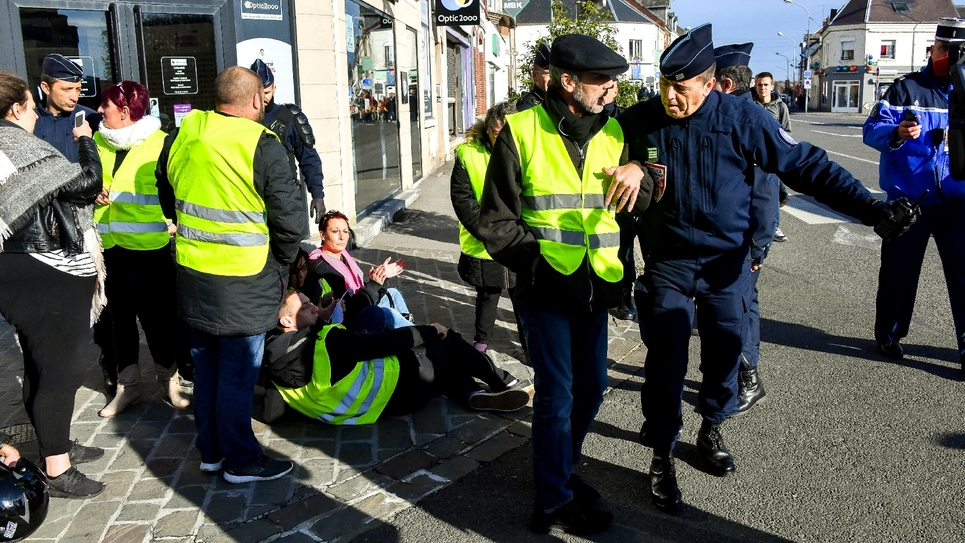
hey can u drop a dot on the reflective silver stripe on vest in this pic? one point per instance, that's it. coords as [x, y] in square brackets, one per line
[373, 393]
[353, 393]
[349, 397]
[550, 202]
[601, 241]
[138, 227]
[132, 198]
[103, 228]
[220, 215]
[238, 240]
[567, 237]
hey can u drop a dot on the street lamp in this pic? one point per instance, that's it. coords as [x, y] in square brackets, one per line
[787, 71]
[807, 43]
[794, 45]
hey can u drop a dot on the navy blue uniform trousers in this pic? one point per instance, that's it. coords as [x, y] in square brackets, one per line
[901, 261]
[720, 286]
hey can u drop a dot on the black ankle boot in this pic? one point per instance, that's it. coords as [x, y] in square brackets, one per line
[110, 375]
[749, 389]
[663, 482]
[710, 444]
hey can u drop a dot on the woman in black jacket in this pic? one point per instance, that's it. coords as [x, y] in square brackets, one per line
[48, 276]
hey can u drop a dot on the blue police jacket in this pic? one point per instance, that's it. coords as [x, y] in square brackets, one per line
[702, 204]
[309, 162]
[912, 166]
[765, 205]
[58, 130]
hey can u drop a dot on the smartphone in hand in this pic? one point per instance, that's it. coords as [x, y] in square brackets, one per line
[79, 119]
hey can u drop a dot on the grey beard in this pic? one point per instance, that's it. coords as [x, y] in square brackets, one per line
[580, 98]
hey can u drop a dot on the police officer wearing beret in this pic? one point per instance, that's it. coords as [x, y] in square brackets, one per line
[289, 122]
[61, 83]
[914, 158]
[548, 209]
[700, 146]
[734, 77]
[541, 79]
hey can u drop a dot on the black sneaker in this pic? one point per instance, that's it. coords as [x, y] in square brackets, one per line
[263, 469]
[73, 484]
[79, 453]
[507, 400]
[891, 349]
[574, 517]
[583, 492]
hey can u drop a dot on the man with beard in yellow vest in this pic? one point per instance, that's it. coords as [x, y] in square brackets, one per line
[225, 179]
[548, 212]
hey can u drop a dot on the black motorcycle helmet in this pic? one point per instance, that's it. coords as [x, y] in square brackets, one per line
[23, 500]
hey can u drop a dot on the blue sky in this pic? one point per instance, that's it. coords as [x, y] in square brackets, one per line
[758, 21]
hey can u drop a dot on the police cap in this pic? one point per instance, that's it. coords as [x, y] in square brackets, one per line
[542, 56]
[579, 53]
[689, 55]
[60, 67]
[950, 28]
[264, 72]
[738, 54]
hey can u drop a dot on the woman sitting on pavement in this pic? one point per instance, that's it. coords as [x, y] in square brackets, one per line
[50, 260]
[339, 376]
[333, 270]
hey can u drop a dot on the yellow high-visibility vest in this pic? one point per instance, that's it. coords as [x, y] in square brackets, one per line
[475, 158]
[133, 220]
[222, 221]
[566, 212]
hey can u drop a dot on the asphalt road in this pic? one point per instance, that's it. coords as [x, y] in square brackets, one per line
[847, 445]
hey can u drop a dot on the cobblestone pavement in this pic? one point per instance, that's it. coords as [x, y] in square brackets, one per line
[344, 477]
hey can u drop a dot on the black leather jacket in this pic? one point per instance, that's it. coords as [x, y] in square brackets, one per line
[57, 225]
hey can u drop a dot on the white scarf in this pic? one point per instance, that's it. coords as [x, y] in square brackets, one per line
[129, 136]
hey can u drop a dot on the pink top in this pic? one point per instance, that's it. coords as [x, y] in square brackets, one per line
[346, 265]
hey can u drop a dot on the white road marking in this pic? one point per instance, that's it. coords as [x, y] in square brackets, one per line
[839, 135]
[812, 213]
[844, 236]
[859, 159]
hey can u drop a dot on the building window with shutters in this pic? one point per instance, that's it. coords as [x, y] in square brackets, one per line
[636, 49]
[847, 48]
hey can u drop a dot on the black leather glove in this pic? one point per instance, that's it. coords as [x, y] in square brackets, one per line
[904, 214]
[874, 211]
[317, 210]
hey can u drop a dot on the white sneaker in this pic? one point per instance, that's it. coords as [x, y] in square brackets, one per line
[211, 467]
[779, 236]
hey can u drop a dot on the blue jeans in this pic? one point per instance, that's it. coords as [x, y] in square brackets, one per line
[226, 370]
[397, 302]
[751, 351]
[374, 319]
[568, 352]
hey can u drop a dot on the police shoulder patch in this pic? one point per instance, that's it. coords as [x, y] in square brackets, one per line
[875, 110]
[786, 137]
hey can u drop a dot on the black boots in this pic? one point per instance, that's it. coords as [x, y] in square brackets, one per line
[710, 444]
[663, 482]
[749, 389]
[110, 375]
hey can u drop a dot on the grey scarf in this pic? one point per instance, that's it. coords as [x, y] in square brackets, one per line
[31, 172]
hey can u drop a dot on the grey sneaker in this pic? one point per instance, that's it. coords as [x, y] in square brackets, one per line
[211, 467]
[263, 469]
[73, 484]
[779, 235]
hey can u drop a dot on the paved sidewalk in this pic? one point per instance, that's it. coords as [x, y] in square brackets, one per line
[344, 477]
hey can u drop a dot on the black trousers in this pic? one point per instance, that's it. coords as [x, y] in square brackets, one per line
[50, 310]
[445, 367]
[141, 286]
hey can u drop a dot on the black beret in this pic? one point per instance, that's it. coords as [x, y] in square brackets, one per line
[542, 56]
[579, 53]
[60, 67]
[264, 72]
[689, 55]
[950, 29]
[738, 54]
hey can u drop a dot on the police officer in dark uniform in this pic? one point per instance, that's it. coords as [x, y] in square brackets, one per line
[734, 77]
[291, 125]
[541, 79]
[61, 83]
[700, 146]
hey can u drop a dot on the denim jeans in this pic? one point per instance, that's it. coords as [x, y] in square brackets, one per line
[374, 319]
[397, 301]
[751, 351]
[568, 352]
[226, 370]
